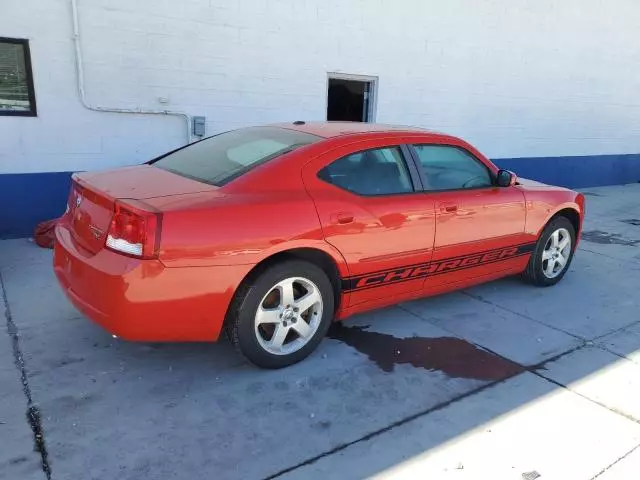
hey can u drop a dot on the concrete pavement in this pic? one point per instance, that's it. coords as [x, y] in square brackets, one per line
[504, 380]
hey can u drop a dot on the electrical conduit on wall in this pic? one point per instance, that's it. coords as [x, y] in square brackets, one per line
[49, 192]
[98, 108]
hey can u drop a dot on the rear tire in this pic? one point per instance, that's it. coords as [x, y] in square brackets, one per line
[279, 317]
[553, 253]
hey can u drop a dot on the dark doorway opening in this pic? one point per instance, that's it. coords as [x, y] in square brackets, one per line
[349, 100]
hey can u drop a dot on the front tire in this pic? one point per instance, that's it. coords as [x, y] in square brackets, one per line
[553, 253]
[280, 317]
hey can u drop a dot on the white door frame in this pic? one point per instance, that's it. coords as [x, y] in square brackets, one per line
[372, 101]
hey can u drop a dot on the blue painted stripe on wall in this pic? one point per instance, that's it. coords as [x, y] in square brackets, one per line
[27, 199]
[577, 172]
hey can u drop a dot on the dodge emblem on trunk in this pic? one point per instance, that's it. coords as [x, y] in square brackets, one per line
[97, 233]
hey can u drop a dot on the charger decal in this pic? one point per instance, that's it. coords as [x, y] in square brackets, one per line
[411, 272]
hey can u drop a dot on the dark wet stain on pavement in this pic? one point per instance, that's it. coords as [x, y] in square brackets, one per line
[453, 356]
[606, 238]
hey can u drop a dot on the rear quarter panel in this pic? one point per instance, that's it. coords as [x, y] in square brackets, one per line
[238, 229]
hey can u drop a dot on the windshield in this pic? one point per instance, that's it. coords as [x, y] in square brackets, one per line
[218, 160]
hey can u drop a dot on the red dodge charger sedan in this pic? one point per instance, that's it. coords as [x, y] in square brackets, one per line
[270, 233]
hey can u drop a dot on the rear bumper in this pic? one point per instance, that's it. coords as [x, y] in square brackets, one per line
[142, 300]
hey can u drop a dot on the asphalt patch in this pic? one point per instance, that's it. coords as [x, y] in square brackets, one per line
[453, 356]
[606, 238]
[632, 221]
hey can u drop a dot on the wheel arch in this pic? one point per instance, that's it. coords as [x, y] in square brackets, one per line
[319, 257]
[571, 213]
[532, 272]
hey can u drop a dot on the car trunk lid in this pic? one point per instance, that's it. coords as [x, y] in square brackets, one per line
[142, 181]
[93, 195]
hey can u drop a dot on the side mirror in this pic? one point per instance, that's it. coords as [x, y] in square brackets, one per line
[506, 178]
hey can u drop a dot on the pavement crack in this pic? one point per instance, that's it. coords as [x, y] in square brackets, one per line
[562, 385]
[553, 327]
[615, 462]
[543, 364]
[584, 341]
[605, 349]
[409, 418]
[608, 256]
[615, 330]
[33, 412]
[383, 430]
[529, 368]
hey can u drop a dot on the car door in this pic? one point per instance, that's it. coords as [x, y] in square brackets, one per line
[480, 227]
[370, 205]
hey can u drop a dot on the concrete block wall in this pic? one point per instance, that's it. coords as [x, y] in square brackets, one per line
[523, 79]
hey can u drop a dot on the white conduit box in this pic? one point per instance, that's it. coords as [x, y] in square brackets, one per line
[198, 126]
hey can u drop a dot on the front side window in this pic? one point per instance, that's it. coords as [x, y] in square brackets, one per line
[381, 171]
[16, 83]
[451, 168]
[218, 160]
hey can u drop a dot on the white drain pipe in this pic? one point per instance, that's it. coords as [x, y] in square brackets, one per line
[98, 108]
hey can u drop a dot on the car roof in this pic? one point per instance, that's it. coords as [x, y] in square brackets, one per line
[338, 129]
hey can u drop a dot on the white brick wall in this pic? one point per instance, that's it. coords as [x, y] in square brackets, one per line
[514, 77]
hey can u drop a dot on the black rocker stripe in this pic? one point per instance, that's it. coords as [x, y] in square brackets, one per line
[368, 287]
[350, 283]
[531, 246]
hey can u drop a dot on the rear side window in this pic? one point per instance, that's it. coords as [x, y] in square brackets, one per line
[451, 168]
[218, 160]
[381, 171]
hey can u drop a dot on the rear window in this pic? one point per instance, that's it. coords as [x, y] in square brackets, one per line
[218, 160]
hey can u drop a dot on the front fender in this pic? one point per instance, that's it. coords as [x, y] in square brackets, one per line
[542, 206]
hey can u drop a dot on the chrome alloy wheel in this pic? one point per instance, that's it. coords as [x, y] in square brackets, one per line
[288, 316]
[556, 253]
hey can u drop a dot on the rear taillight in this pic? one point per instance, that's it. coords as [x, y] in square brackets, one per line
[134, 230]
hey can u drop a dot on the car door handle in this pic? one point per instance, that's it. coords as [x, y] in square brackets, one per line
[448, 207]
[342, 218]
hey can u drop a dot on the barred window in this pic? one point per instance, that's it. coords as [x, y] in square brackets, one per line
[16, 82]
